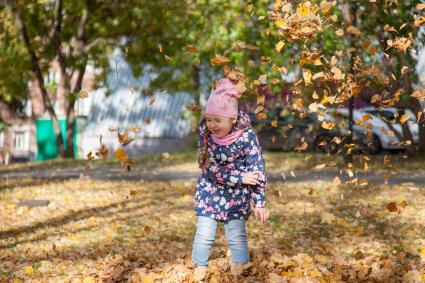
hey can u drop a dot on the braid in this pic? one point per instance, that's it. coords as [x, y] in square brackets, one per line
[204, 152]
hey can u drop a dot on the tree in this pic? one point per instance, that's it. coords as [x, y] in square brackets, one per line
[71, 33]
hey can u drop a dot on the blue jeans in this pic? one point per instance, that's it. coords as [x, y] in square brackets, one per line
[205, 235]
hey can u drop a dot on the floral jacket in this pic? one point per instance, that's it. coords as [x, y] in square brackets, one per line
[220, 193]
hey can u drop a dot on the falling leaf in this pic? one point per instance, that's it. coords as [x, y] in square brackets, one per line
[367, 117]
[392, 207]
[420, 6]
[261, 116]
[190, 48]
[166, 155]
[151, 101]
[279, 45]
[219, 60]
[337, 73]
[83, 94]
[193, 107]
[249, 8]
[261, 99]
[353, 30]
[307, 76]
[292, 173]
[419, 94]
[134, 129]
[103, 151]
[318, 76]
[90, 156]
[112, 129]
[121, 155]
[148, 121]
[274, 123]
[404, 118]
[328, 126]
[124, 139]
[313, 107]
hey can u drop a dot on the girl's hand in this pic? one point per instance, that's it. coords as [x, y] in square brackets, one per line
[261, 213]
[251, 178]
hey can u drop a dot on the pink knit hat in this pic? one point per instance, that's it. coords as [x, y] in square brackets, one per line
[223, 100]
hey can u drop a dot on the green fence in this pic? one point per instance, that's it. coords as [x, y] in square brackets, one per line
[46, 138]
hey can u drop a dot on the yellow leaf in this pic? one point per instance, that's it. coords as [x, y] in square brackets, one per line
[83, 93]
[89, 279]
[420, 6]
[249, 8]
[365, 167]
[17, 280]
[279, 45]
[274, 123]
[328, 126]
[147, 279]
[303, 10]
[307, 76]
[28, 270]
[280, 23]
[404, 118]
[261, 116]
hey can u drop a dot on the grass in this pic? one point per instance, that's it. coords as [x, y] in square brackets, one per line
[128, 231]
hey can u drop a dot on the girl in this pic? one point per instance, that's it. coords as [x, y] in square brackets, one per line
[232, 179]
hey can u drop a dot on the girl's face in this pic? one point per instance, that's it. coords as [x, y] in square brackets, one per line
[219, 126]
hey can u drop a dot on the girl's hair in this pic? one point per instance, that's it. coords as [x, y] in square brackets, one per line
[203, 160]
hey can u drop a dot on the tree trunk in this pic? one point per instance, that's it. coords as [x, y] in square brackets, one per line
[197, 90]
[38, 74]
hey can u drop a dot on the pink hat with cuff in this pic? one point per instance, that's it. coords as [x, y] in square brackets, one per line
[223, 100]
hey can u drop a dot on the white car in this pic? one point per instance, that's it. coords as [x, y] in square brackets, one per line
[383, 136]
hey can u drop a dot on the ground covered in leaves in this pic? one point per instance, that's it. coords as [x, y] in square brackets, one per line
[104, 231]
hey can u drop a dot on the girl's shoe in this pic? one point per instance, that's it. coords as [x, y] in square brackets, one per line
[200, 273]
[240, 269]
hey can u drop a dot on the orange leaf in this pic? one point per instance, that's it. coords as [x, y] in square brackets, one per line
[190, 48]
[193, 107]
[219, 60]
[124, 139]
[392, 207]
[404, 118]
[121, 155]
[90, 156]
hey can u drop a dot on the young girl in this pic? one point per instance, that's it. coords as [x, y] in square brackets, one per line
[232, 179]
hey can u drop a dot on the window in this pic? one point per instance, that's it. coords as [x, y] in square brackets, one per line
[1, 139]
[21, 141]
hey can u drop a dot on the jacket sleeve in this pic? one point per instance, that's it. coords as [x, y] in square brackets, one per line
[255, 162]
